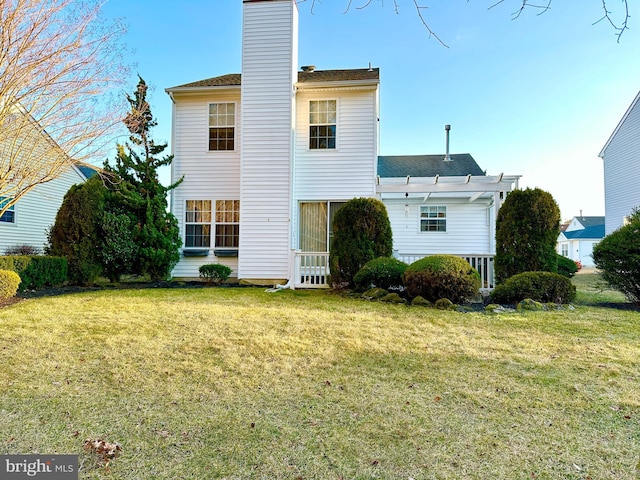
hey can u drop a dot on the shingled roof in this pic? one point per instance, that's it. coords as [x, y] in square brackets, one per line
[461, 164]
[590, 232]
[319, 76]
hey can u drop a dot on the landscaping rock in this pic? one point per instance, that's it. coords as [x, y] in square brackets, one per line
[393, 298]
[420, 302]
[374, 294]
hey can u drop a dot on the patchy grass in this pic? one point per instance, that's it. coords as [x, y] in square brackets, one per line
[239, 383]
[593, 290]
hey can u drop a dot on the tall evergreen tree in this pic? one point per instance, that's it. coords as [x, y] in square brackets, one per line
[527, 229]
[138, 193]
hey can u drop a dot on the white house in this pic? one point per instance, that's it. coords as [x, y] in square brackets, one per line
[269, 155]
[621, 158]
[26, 222]
[577, 240]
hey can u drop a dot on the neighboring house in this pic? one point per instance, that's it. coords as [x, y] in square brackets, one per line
[27, 222]
[621, 158]
[577, 239]
[270, 155]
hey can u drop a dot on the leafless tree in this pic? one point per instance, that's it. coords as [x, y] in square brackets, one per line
[620, 26]
[59, 62]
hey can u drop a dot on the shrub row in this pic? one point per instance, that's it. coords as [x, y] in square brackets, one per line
[432, 278]
[36, 271]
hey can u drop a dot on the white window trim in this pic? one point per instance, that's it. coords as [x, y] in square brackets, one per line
[211, 224]
[433, 232]
[235, 128]
[323, 151]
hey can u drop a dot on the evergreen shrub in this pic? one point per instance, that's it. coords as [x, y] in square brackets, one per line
[383, 272]
[617, 256]
[214, 272]
[36, 271]
[566, 266]
[539, 286]
[9, 282]
[442, 276]
[361, 232]
[527, 229]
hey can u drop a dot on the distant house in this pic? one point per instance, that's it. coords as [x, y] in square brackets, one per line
[27, 222]
[580, 235]
[269, 155]
[621, 157]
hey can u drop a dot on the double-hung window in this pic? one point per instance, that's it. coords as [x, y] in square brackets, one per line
[322, 124]
[198, 224]
[433, 218]
[9, 216]
[227, 224]
[222, 126]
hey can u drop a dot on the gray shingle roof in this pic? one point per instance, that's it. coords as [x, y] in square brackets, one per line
[591, 221]
[233, 79]
[462, 164]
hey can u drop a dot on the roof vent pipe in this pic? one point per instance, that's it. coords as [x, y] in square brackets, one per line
[447, 129]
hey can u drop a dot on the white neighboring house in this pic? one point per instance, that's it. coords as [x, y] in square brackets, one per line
[577, 240]
[27, 221]
[621, 158]
[269, 155]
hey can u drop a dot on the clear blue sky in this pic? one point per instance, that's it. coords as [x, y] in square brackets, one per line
[536, 96]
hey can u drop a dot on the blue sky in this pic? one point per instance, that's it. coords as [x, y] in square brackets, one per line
[536, 96]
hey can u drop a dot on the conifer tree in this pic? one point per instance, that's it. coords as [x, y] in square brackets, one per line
[138, 193]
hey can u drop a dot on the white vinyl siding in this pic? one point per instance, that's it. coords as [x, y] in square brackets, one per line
[36, 212]
[468, 227]
[622, 169]
[350, 170]
[207, 175]
[269, 57]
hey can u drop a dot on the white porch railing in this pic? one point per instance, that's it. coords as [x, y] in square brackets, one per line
[482, 263]
[312, 269]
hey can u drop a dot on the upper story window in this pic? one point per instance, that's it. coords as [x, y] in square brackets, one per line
[198, 223]
[433, 218]
[9, 216]
[322, 124]
[222, 123]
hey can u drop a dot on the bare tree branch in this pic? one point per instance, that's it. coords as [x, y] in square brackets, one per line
[542, 5]
[58, 65]
[619, 27]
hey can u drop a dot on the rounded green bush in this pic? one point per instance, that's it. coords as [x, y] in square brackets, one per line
[566, 266]
[442, 276]
[539, 286]
[383, 272]
[214, 272]
[9, 282]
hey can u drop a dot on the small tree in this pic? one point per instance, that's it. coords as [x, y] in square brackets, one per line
[361, 232]
[74, 234]
[527, 229]
[617, 256]
[139, 194]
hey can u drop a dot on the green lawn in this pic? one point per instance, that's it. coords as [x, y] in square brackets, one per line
[239, 383]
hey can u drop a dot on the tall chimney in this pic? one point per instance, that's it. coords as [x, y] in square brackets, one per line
[447, 129]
